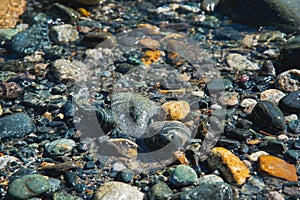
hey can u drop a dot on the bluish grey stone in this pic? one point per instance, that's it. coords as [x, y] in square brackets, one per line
[183, 175]
[60, 147]
[254, 185]
[16, 125]
[159, 191]
[28, 186]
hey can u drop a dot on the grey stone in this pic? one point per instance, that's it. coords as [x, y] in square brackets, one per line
[64, 196]
[63, 34]
[290, 53]
[291, 103]
[16, 125]
[60, 147]
[240, 62]
[28, 186]
[254, 185]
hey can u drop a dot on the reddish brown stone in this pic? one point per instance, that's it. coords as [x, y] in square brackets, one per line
[277, 167]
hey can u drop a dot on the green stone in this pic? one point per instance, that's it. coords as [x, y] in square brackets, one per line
[183, 175]
[159, 191]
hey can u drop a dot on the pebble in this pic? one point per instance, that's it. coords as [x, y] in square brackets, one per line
[160, 191]
[63, 12]
[254, 156]
[16, 125]
[247, 102]
[210, 179]
[63, 34]
[277, 167]
[290, 52]
[207, 191]
[271, 95]
[10, 12]
[125, 176]
[60, 147]
[149, 43]
[240, 62]
[293, 191]
[232, 168]
[229, 99]
[218, 85]
[291, 103]
[294, 155]
[64, 195]
[6, 160]
[274, 195]
[272, 145]
[117, 190]
[288, 81]
[176, 110]
[254, 185]
[183, 175]
[28, 186]
[268, 117]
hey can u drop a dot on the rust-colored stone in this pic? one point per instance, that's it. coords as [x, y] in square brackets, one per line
[176, 110]
[151, 57]
[10, 11]
[277, 167]
[232, 168]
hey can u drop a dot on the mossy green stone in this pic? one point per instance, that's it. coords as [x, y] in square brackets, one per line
[183, 175]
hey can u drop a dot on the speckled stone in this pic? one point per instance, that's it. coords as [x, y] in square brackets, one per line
[240, 62]
[16, 125]
[117, 190]
[232, 168]
[288, 81]
[176, 110]
[63, 34]
[254, 185]
[64, 196]
[183, 175]
[268, 117]
[229, 99]
[10, 12]
[60, 147]
[159, 191]
[272, 95]
[277, 167]
[32, 185]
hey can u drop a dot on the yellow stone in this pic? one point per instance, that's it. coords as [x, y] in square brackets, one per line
[277, 167]
[232, 168]
[176, 110]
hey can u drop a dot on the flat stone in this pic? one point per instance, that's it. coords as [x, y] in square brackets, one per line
[183, 175]
[32, 185]
[240, 62]
[117, 190]
[159, 191]
[268, 117]
[272, 95]
[232, 168]
[254, 185]
[208, 191]
[277, 167]
[288, 81]
[291, 103]
[176, 110]
[60, 147]
[16, 125]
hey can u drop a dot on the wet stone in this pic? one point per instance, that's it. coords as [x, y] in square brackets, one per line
[16, 125]
[125, 176]
[159, 191]
[10, 12]
[240, 63]
[254, 156]
[294, 127]
[63, 34]
[117, 190]
[271, 95]
[254, 185]
[183, 175]
[206, 191]
[232, 168]
[272, 146]
[32, 185]
[291, 103]
[293, 191]
[294, 155]
[229, 99]
[176, 110]
[210, 179]
[277, 167]
[268, 117]
[275, 195]
[290, 53]
[288, 81]
[60, 147]
[63, 12]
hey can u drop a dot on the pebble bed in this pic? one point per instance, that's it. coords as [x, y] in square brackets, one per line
[146, 100]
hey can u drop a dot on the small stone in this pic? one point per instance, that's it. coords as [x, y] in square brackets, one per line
[28, 186]
[63, 34]
[240, 63]
[277, 167]
[272, 146]
[176, 110]
[288, 81]
[254, 156]
[125, 176]
[117, 190]
[254, 185]
[274, 195]
[183, 175]
[268, 117]
[229, 99]
[218, 85]
[268, 68]
[210, 179]
[207, 191]
[272, 95]
[84, 2]
[159, 191]
[291, 103]
[60, 147]
[64, 196]
[6, 160]
[149, 43]
[16, 125]
[248, 102]
[231, 167]
[293, 191]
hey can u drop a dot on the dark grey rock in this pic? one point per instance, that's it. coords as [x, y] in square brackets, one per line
[125, 176]
[63, 12]
[291, 103]
[281, 13]
[273, 146]
[28, 186]
[290, 54]
[268, 117]
[183, 175]
[254, 185]
[294, 127]
[218, 85]
[159, 191]
[16, 125]
[208, 191]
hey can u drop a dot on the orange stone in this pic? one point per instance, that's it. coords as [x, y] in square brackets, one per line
[10, 11]
[277, 167]
[176, 110]
[232, 168]
[151, 57]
